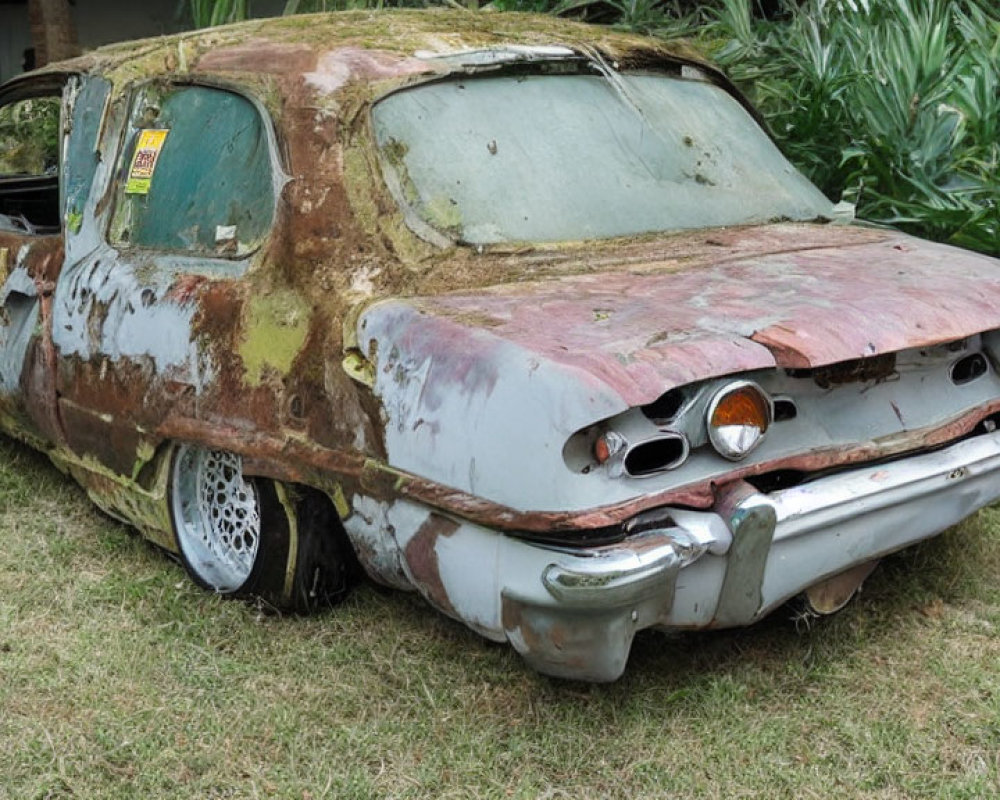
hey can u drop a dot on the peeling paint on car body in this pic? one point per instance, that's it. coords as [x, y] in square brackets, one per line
[447, 399]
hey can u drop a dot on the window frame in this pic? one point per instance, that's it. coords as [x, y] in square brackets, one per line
[119, 172]
[29, 87]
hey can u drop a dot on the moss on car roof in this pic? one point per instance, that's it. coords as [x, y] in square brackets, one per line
[397, 32]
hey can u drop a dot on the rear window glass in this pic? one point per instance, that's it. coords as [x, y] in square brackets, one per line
[548, 157]
[195, 174]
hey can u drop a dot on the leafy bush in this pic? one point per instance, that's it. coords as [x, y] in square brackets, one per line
[895, 104]
[207, 13]
[29, 137]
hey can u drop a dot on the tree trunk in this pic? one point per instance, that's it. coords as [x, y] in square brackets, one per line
[53, 32]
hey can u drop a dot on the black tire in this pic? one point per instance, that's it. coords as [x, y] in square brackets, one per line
[324, 566]
[255, 537]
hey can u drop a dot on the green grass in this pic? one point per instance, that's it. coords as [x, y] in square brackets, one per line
[119, 679]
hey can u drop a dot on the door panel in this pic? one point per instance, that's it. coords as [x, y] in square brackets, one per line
[31, 254]
[49, 131]
[191, 198]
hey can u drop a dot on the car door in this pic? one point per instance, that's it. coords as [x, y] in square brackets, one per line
[48, 132]
[190, 197]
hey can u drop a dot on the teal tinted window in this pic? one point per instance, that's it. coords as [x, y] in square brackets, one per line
[195, 174]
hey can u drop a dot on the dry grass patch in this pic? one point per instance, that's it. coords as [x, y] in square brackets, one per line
[119, 679]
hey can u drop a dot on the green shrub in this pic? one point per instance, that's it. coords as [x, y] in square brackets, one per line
[29, 137]
[893, 105]
[208, 13]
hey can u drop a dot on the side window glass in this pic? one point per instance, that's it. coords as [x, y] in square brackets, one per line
[195, 174]
[29, 165]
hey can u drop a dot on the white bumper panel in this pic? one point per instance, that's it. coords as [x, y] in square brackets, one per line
[574, 612]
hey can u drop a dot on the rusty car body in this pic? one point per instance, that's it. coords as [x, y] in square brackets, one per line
[527, 316]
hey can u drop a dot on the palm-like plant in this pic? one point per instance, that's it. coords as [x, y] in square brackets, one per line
[207, 13]
[894, 105]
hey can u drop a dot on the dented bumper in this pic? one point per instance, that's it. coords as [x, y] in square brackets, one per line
[577, 619]
[574, 612]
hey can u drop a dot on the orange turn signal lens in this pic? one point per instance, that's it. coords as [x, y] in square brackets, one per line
[607, 445]
[738, 417]
[746, 405]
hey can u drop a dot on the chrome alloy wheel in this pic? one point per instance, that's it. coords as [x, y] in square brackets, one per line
[216, 516]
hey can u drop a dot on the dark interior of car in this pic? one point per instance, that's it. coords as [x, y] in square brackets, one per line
[30, 203]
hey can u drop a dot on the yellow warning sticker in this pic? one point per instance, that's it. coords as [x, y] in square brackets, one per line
[147, 153]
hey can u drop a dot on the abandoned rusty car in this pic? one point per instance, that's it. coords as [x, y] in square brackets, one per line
[527, 316]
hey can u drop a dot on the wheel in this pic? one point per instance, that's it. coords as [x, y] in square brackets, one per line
[254, 537]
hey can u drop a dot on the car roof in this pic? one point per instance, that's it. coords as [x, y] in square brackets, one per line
[373, 46]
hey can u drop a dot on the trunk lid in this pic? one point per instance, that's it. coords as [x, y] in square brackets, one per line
[782, 296]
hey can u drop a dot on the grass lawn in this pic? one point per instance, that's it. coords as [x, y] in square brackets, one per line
[119, 679]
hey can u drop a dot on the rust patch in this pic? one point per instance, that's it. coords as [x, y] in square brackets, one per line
[113, 443]
[185, 288]
[421, 557]
[510, 614]
[541, 634]
[38, 384]
[283, 457]
[860, 370]
[43, 260]
[381, 482]
[104, 406]
[259, 55]
[219, 307]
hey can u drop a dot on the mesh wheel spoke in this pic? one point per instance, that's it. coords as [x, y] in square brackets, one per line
[218, 516]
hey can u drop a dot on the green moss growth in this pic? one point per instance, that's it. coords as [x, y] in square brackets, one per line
[357, 182]
[275, 329]
[402, 32]
[442, 212]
